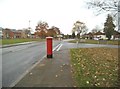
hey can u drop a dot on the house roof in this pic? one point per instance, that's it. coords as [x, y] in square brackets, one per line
[99, 33]
[89, 33]
[13, 30]
[116, 33]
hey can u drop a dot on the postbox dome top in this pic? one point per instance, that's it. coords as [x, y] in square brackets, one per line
[49, 37]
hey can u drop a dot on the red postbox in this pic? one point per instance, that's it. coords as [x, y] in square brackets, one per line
[49, 47]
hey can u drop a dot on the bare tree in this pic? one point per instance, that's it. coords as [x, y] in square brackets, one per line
[111, 7]
[42, 26]
[42, 29]
[103, 6]
[119, 15]
[80, 28]
[96, 29]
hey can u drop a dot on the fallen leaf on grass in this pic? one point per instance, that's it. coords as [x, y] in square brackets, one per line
[99, 62]
[87, 82]
[103, 79]
[74, 86]
[74, 64]
[56, 76]
[31, 73]
[61, 70]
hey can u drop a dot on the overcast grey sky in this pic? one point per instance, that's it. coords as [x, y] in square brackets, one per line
[60, 13]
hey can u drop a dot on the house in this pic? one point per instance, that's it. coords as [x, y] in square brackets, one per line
[99, 35]
[13, 33]
[116, 35]
[33, 35]
[7, 33]
[88, 36]
[17, 34]
[95, 35]
[60, 36]
[23, 33]
[1, 34]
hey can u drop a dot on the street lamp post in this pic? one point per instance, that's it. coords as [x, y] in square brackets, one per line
[29, 28]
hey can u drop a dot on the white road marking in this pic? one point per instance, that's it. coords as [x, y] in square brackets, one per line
[59, 47]
[56, 47]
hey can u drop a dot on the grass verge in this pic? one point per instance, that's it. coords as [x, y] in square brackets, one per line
[111, 42]
[13, 41]
[95, 67]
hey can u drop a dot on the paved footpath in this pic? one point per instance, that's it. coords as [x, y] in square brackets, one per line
[55, 72]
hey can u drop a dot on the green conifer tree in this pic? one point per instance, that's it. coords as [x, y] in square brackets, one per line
[109, 27]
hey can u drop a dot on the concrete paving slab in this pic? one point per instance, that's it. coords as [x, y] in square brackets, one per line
[55, 72]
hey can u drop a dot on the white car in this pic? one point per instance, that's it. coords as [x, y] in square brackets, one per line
[96, 38]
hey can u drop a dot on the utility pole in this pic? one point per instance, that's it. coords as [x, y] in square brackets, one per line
[29, 25]
[29, 28]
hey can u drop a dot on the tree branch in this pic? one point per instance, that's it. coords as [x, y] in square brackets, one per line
[112, 6]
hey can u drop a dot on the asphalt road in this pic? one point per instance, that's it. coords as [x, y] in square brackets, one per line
[17, 60]
[66, 45]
